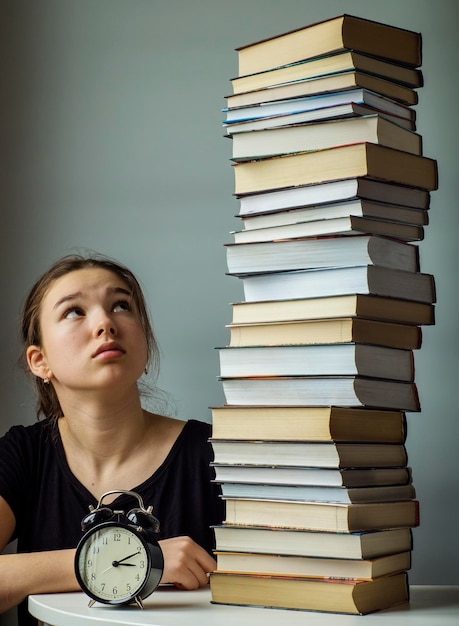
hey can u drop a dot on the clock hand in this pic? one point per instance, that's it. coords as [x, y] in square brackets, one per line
[125, 559]
[120, 562]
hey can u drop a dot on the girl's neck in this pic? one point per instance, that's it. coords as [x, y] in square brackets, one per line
[104, 427]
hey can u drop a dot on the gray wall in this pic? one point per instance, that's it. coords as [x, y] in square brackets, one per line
[111, 140]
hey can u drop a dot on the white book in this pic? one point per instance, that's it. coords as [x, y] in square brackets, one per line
[343, 495]
[370, 279]
[333, 191]
[351, 391]
[321, 252]
[343, 359]
[314, 104]
[324, 134]
[358, 207]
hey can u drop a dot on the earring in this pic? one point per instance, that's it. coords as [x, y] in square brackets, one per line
[145, 371]
[46, 380]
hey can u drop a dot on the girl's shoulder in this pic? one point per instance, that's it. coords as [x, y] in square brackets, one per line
[31, 435]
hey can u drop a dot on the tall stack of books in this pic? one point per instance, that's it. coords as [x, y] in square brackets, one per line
[334, 194]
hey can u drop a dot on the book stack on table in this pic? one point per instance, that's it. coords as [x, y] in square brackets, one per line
[318, 374]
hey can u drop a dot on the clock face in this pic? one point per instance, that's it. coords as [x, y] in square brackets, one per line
[113, 564]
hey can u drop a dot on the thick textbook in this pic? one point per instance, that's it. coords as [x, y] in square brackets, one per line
[306, 423]
[301, 593]
[343, 359]
[354, 305]
[320, 135]
[300, 454]
[365, 279]
[310, 567]
[321, 252]
[327, 330]
[322, 516]
[365, 545]
[333, 192]
[338, 33]
[355, 160]
[352, 391]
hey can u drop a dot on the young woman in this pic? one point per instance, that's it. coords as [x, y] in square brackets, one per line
[88, 340]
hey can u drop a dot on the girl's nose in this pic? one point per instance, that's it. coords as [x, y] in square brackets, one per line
[103, 329]
[106, 326]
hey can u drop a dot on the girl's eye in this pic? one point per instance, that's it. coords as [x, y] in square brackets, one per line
[122, 305]
[73, 313]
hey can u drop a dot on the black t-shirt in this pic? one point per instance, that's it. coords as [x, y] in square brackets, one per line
[49, 502]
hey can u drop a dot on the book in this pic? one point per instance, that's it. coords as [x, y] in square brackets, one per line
[370, 279]
[270, 111]
[322, 516]
[351, 391]
[320, 194]
[326, 84]
[361, 159]
[310, 476]
[354, 305]
[327, 595]
[324, 134]
[305, 454]
[364, 545]
[317, 493]
[328, 64]
[338, 111]
[310, 567]
[307, 423]
[343, 359]
[328, 330]
[338, 33]
[357, 207]
[321, 252]
[344, 225]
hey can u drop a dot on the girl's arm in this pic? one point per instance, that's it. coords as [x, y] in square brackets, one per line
[36, 572]
[186, 566]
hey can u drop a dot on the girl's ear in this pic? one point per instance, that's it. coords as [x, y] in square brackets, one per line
[37, 362]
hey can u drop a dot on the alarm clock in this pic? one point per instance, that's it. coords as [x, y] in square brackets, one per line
[118, 560]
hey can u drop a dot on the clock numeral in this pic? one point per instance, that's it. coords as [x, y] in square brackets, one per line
[89, 562]
[105, 541]
[128, 587]
[116, 537]
[93, 576]
[142, 564]
[115, 590]
[102, 586]
[95, 549]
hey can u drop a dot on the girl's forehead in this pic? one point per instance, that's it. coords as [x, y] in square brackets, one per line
[82, 282]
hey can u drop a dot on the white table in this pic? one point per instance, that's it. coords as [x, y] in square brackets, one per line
[429, 606]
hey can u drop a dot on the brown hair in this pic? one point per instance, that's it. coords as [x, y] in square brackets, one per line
[47, 401]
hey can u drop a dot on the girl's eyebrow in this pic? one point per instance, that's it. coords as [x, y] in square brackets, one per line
[69, 297]
[79, 294]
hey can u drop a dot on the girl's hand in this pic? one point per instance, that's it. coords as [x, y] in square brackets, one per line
[186, 564]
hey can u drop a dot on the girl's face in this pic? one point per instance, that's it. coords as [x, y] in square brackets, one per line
[91, 333]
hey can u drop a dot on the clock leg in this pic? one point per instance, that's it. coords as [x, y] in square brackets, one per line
[139, 602]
